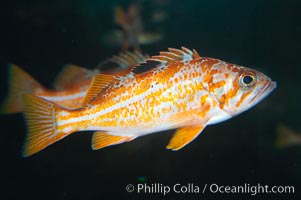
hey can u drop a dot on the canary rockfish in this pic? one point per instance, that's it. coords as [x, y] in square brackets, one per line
[184, 91]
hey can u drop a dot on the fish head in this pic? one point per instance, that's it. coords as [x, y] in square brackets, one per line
[238, 88]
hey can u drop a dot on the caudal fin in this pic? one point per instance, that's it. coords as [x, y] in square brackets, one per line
[40, 115]
[19, 83]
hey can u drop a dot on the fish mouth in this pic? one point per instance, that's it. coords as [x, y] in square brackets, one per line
[267, 89]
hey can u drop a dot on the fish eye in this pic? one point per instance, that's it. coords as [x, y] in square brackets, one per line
[247, 80]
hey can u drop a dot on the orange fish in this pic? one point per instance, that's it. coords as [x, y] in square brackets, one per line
[184, 92]
[287, 137]
[132, 29]
[70, 86]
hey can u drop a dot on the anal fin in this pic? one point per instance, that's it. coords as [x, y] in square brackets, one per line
[103, 139]
[184, 136]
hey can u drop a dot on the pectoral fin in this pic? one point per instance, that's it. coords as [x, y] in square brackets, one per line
[103, 139]
[183, 136]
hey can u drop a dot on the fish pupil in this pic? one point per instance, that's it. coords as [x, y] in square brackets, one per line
[247, 79]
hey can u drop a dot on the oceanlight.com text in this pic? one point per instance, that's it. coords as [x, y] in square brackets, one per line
[193, 188]
[251, 189]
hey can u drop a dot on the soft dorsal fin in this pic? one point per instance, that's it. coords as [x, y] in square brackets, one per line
[99, 83]
[175, 55]
[122, 63]
[70, 75]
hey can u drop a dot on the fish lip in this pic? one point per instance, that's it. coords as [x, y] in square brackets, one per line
[268, 88]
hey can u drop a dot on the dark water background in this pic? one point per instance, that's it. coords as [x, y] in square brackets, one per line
[42, 36]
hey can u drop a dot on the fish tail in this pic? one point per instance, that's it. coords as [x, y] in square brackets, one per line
[41, 118]
[19, 83]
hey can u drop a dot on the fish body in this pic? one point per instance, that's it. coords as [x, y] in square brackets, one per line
[70, 86]
[184, 92]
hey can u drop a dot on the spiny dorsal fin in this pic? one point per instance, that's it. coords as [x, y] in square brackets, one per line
[70, 75]
[129, 59]
[175, 55]
[99, 83]
[195, 54]
[122, 63]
